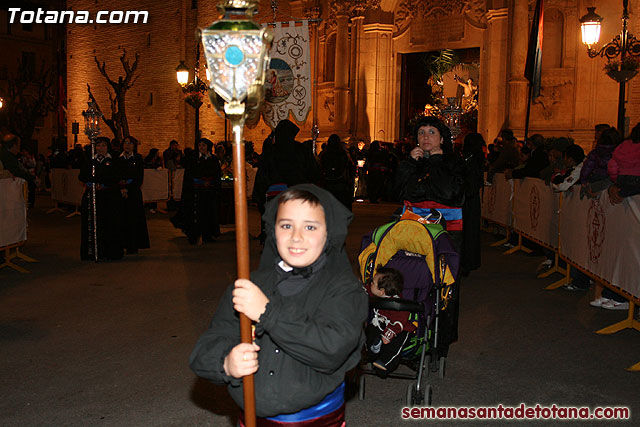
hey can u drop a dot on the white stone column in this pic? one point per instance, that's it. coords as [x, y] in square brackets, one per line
[518, 85]
[341, 79]
[492, 91]
[356, 94]
[377, 64]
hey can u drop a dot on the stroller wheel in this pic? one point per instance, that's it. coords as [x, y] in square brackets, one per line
[441, 368]
[361, 388]
[433, 363]
[426, 394]
[416, 397]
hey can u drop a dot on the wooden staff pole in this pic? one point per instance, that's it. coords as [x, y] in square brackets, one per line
[242, 253]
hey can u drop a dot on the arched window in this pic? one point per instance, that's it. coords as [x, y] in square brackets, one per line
[330, 59]
[552, 39]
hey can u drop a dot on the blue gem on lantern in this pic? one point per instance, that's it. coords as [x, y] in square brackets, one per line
[234, 55]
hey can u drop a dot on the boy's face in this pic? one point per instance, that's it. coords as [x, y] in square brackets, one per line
[301, 232]
[375, 290]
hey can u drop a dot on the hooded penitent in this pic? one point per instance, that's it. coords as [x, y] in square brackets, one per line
[311, 331]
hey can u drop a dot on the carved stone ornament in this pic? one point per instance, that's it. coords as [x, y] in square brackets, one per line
[361, 6]
[339, 7]
[551, 96]
[330, 107]
[474, 12]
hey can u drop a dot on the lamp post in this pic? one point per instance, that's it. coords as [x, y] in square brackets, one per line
[92, 129]
[194, 90]
[236, 49]
[624, 45]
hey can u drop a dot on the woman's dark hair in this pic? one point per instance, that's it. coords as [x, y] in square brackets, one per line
[575, 152]
[151, 155]
[473, 143]
[391, 281]
[609, 136]
[131, 139]
[102, 140]
[334, 142]
[207, 142]
[297, 194]
[445, 132]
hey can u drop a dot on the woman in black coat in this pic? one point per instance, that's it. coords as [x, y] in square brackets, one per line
[377, 171]
[337, 171]
[134, 223]
[434, 178]
[200, 194]
[475, 162]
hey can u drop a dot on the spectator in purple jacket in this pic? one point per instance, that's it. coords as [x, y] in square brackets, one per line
[594, 177]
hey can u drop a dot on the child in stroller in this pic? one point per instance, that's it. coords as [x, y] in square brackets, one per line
[388, 330]
[425, 256]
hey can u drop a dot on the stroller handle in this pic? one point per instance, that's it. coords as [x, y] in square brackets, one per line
[396, 304]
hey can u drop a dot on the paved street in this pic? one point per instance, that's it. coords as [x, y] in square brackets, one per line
[84, 344]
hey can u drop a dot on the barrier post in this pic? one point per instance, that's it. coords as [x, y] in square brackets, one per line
[564, 281]
[519, 246]
[629, 323]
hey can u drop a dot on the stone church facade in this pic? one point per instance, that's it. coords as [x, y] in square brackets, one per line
[358, 75]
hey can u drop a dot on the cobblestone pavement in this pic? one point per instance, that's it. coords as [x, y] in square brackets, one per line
[107, 344]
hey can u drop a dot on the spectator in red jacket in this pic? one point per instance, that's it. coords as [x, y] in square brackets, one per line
[624, 168]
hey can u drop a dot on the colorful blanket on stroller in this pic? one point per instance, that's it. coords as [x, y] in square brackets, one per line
[428, 240]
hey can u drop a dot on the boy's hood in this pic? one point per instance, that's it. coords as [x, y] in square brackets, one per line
[337, 217]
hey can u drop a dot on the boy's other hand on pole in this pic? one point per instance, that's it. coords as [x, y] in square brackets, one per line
[249, 299]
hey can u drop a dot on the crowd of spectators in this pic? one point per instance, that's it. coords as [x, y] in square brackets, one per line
[368, 171]
[612, 164]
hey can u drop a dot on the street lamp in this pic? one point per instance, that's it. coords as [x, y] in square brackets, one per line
[590, 25]
[236, 49]
[92, 117]
[193, 90]
[624, 45]
[182, 73]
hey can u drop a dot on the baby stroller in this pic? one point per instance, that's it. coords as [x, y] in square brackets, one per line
[423, 252]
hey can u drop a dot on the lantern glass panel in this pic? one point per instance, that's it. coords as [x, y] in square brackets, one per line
[232, 78]
[590, 33]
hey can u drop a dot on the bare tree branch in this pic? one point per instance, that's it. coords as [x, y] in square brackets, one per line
[120, 126]
[31, 98]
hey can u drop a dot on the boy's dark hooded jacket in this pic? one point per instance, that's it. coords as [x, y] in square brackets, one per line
[307, 340]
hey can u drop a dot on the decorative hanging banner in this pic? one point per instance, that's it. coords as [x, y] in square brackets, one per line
[288, 79]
